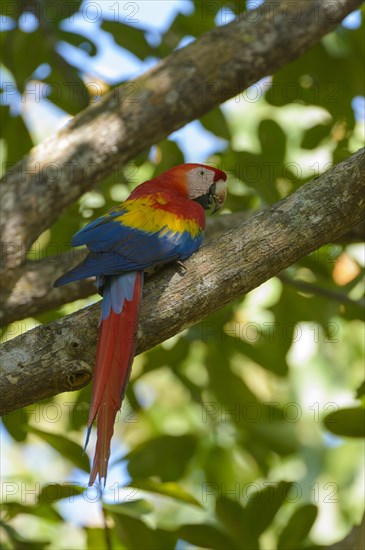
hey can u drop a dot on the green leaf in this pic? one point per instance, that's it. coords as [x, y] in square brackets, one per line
[347, 422]
[232, 515]
[313, 137]
[263, 353]
[13, 509]
[136, 534]
[263, 506]
[169, 154]
[166, 456]
[194, 24]
[174, 356]
[22, 66]
[207, 536]
[53, 492]
[11, 8]
[16, 134]
[273, 142]
[79, 411]
[278, 436]
[172, 490]
[215, 122]
[298, 527]
[130, 38]
[20, 542]
[260, 172]
[78, 40]
[67, 448]
[99, 539]
[307, 308]
[360, 392]
[16, 423]
[66, 89]
[132, 508]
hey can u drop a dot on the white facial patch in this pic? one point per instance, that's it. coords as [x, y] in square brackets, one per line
[199, 181]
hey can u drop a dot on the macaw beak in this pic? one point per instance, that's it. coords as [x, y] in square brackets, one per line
[218, 193]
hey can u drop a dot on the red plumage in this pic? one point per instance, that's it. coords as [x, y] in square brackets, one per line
[114, 356]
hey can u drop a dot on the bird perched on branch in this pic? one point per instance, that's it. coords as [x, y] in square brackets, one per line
[162, 221]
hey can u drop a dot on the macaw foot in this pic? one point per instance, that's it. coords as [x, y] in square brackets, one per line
[181, 267]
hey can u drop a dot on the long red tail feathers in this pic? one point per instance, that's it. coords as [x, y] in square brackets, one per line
[114, 356]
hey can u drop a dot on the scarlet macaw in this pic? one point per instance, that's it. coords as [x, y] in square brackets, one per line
[161, 221]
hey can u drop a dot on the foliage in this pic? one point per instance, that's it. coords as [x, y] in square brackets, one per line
[225, 440]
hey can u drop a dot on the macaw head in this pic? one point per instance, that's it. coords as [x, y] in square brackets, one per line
[206, 185]
[198, 182]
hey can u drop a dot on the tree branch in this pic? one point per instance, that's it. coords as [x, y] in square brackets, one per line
[58, 357]
[34, 293]
[310, 288]
[181, 88]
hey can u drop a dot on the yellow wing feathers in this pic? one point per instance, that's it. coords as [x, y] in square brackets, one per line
[144, 214]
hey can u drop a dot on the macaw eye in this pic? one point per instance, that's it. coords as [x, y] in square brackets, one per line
[202, 172]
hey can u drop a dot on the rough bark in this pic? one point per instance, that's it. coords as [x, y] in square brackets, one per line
[181, 88]
[58, 357]
[34, 293]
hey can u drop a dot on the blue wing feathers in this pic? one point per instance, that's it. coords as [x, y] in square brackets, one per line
[116, 248]
[99, 233]
[140, 251]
